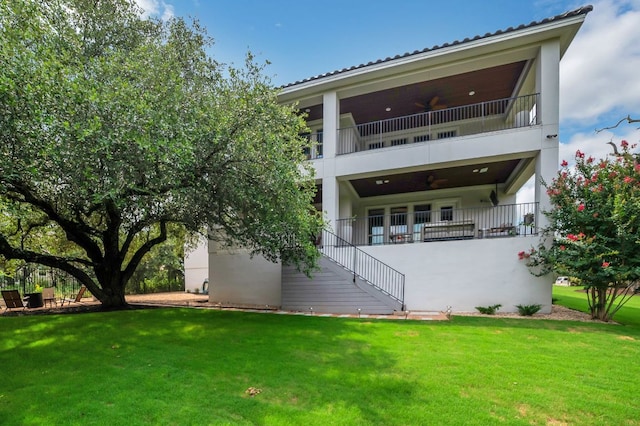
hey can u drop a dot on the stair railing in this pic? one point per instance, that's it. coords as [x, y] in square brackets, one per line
[361, 264]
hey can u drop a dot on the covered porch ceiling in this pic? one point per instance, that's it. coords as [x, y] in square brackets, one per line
[499, 172]
[448, 92]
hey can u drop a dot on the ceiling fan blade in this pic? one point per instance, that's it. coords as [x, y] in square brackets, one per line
[418, 104]
[434, 101]
[438, 107]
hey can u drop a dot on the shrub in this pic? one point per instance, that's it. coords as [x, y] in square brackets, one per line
[488, 310]
[528, 310]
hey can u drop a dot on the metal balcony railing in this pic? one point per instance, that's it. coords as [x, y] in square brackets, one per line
[375, 272]
[509, 220]
[466, 120]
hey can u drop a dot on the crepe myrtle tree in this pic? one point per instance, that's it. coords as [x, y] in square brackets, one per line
[594, 226]
[113, 129]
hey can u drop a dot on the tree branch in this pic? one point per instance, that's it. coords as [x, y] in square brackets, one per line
[61, 263]
[75, 232]
[628, 119]
[139, 254]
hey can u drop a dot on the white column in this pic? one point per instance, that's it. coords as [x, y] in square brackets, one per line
[546, 170]
[330, 123]
[548, 85]
[330, 201]
[330, 187]
[548, 111]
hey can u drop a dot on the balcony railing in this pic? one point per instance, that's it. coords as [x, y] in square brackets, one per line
[509, 220]
[466, 120]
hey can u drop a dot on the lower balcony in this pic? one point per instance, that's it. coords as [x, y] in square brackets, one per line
[501, 221]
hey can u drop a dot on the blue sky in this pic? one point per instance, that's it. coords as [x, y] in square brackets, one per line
[600, 74]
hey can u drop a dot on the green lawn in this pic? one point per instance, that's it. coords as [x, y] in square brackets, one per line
[189, 366]
[576, 298]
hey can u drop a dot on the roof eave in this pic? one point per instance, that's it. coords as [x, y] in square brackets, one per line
[564, 29]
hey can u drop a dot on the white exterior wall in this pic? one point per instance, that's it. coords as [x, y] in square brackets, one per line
[236, 278]
[196, 268]
[466, 274]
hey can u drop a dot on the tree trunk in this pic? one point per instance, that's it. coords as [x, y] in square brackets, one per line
[111, 291]
[113, 300]
[599, 307]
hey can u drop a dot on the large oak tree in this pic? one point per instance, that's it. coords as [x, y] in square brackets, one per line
[113, 129]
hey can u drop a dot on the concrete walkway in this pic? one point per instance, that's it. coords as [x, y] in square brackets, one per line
[182, 299]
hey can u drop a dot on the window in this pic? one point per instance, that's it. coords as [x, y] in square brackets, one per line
[446, 213]
[396, 142]
[421, 138]
[447, 134]
[307, 149]
[421, 215]
[375, 226]
[319, 145]
[375, 145]
[398, 232]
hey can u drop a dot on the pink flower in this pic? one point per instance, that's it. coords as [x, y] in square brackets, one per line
[628, 179]
[564, 163]
[606, 264]
[637, 168]
[579, 154]
[581, 236]
[590, 160]
[521, 255]
[572, 237]
[562, 248]
[624, 143]
[581, 207]
[603, 164]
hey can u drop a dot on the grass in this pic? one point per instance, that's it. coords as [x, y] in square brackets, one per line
[576, 298]
[188, 366]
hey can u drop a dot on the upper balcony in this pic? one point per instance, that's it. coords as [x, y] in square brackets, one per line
[440, 123]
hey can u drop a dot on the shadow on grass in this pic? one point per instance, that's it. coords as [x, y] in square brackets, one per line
[187, 366]
[184, 365]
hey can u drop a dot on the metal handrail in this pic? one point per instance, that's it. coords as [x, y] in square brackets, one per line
[488, 116]
[507, 220]
[362, 265]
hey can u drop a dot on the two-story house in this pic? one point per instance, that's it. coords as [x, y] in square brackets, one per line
[418, 160]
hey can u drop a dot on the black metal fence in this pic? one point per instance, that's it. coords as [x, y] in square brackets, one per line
[30, 276]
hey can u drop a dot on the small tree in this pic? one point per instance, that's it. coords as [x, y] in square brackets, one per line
[594, 226]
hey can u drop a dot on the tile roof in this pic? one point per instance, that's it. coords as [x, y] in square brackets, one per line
[580, 11]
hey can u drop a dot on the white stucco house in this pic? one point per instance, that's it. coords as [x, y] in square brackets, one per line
[418, 161]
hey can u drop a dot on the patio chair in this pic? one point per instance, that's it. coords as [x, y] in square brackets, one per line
[77, 299]
[12, 299]
[49, 295]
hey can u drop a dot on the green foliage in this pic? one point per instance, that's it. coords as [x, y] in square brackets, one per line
[594, 228]
[528, 310]
[488, 310]
[115, 130]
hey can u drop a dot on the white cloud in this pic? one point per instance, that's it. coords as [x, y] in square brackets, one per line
[156, 8]
[599, 73]
[595, 144]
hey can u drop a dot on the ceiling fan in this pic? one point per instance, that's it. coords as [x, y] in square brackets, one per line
[432, 105]
[435, 183]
